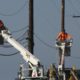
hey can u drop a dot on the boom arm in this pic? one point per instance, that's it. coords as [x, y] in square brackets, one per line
[34, 63]
[27, 56]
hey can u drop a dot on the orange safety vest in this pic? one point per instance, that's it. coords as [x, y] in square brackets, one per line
[63, 36]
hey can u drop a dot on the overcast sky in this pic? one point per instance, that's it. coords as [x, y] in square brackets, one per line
[47, 23]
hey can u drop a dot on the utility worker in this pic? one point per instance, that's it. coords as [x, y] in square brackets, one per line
[63, 36]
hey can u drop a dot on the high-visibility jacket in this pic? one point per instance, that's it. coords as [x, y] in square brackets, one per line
[63, 36]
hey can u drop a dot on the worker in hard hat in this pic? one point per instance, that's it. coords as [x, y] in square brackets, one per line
[63, 36]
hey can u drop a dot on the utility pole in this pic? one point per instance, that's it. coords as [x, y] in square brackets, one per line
[30, 32]
[63, 16]
[62, 23]
[63, 44]
[31, 25]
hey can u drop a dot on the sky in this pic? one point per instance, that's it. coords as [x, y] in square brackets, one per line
[47, 23]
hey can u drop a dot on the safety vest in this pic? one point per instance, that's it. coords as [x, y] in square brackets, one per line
[63, 36]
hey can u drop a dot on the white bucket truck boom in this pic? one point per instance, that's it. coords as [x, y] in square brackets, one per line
[33, 62]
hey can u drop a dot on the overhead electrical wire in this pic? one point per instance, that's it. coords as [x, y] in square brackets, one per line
[9, 46]
[9, 54]
[21, 38]
[52, 46]
[6, 46]
[48, 45]
[12, 14]
[21, 29]
[1, 54]
[76, 21]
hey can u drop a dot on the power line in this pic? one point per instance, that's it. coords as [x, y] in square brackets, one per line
[9, 46]
[12, 14]
[1, 54]
[75, 57]
[9, 54]
[48, 45]
[21, 29]
[6, 46]
[21, 38]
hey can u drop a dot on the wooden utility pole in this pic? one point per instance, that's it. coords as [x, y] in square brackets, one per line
[63, 16]
[30, 32]
[62, 23]
[31, 28]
